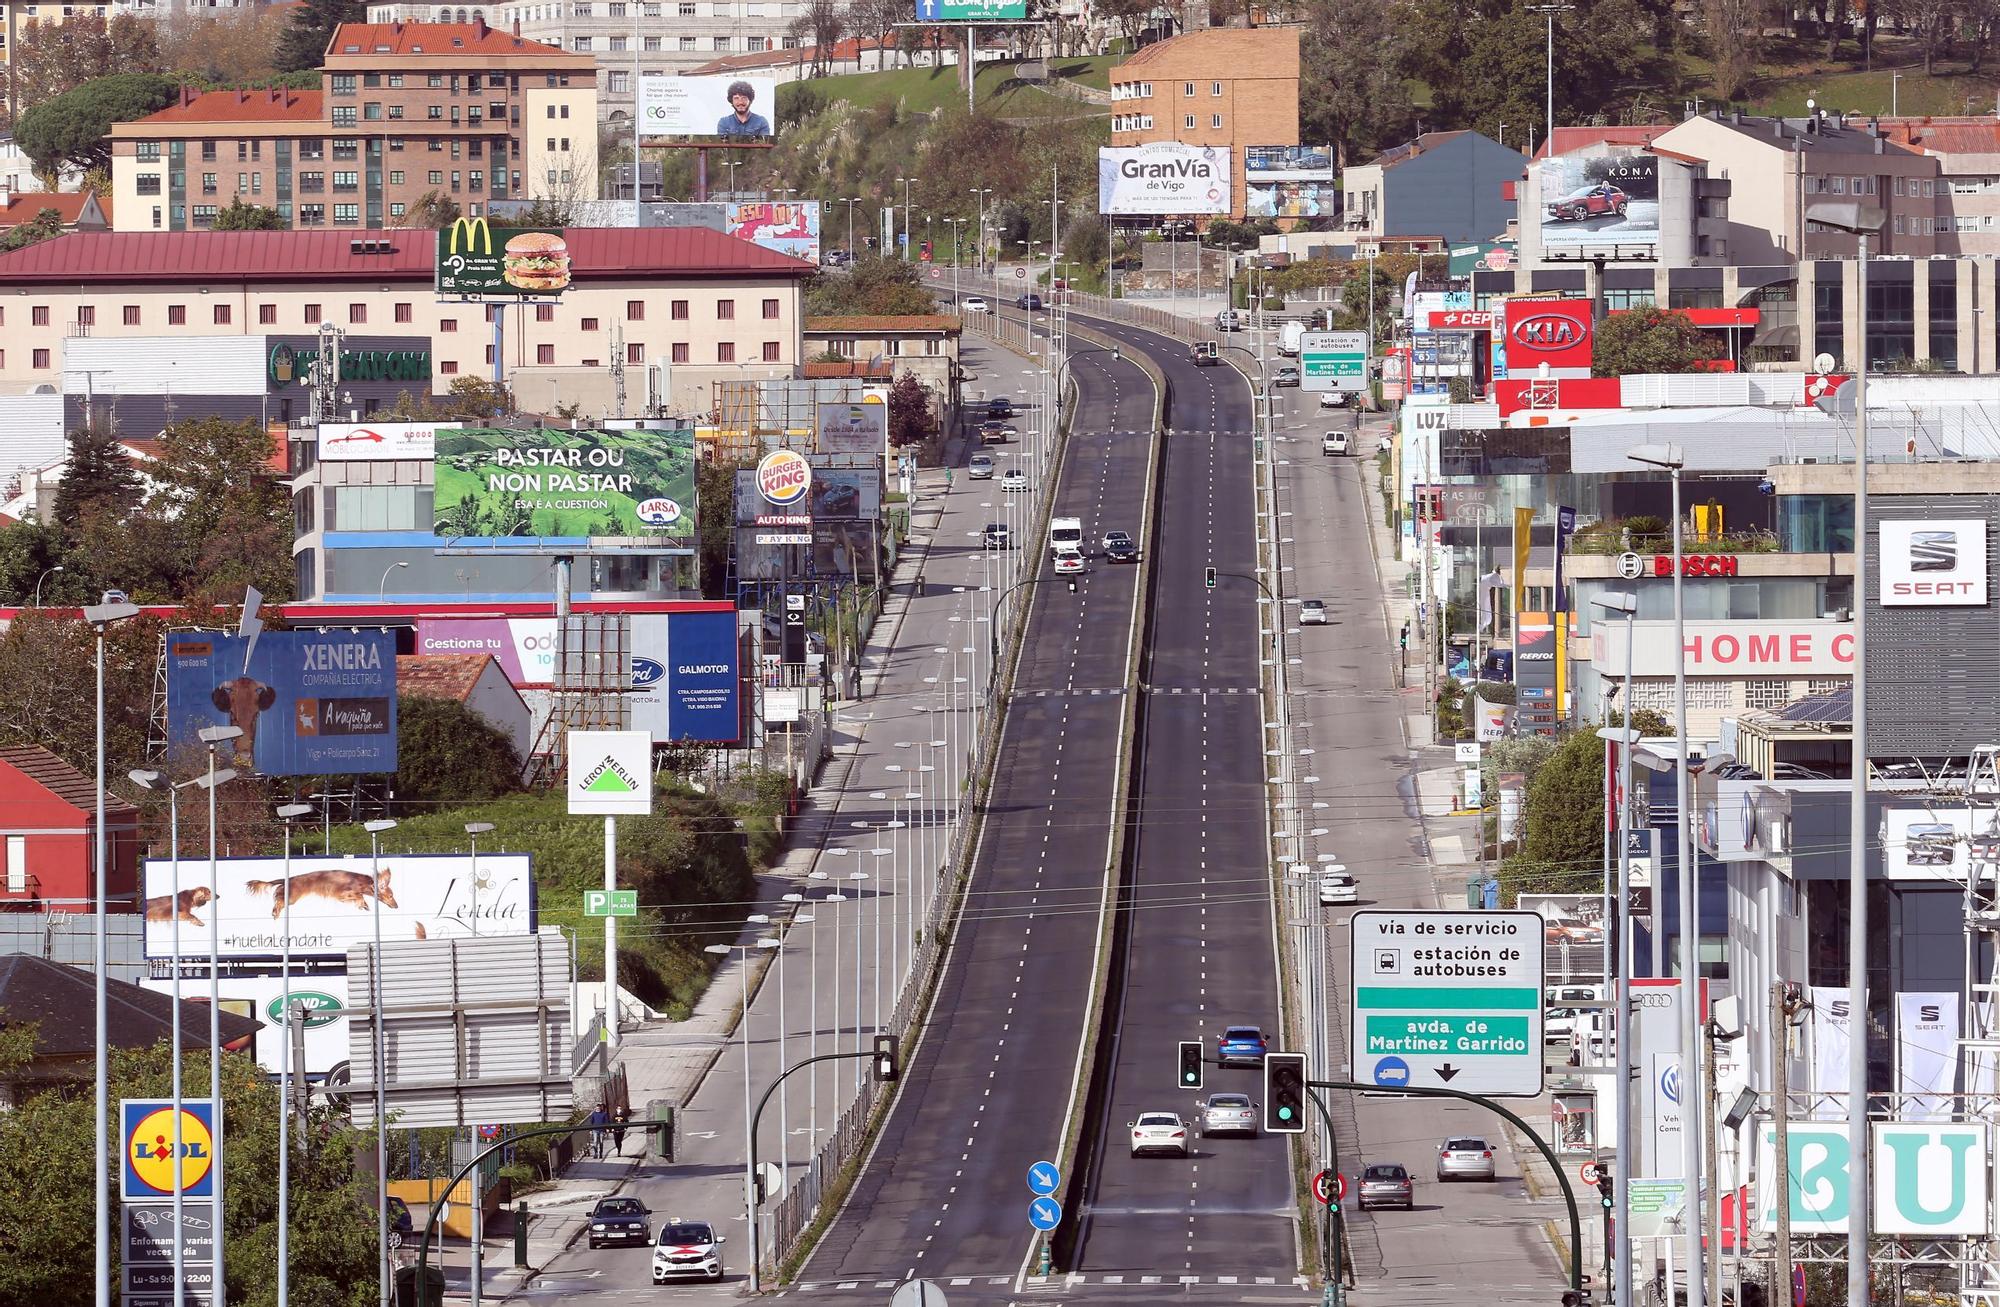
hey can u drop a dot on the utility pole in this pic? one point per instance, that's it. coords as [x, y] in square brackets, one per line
[1712, 1177]
[1781, 1181]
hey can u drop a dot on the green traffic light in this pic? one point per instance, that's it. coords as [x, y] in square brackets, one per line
[1284, 1114]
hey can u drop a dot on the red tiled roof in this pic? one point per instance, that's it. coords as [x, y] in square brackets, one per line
[440, 676]
[429, 38]
[250, 256]
[1945, 135]
[1568, 140]
[62, 780]
[242, 107]
[845, 368]
[887, 324]
[25, 206]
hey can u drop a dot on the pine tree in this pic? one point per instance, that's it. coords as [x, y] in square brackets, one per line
[303, 46]
[97, 476]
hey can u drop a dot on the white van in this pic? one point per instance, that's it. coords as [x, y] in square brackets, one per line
[1290, 337]
[1334, 443]
[1065, 533]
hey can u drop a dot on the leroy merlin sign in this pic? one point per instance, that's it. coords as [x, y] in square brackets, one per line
[1929, 1178]
[610, 773]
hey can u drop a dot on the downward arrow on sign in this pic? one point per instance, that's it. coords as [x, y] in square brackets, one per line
[1446, 1072]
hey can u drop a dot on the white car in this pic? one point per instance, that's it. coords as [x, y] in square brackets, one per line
[1333, 399]
[687, 1248]
[1014, 481]
[1159, 1132]
[1068, 561]
[1312, 612]
[1338, 887]
[974, 305]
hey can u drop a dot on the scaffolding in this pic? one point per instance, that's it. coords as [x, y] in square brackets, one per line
[593, 677]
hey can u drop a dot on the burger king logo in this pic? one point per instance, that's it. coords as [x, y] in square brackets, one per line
[659, 512]
[784, 477]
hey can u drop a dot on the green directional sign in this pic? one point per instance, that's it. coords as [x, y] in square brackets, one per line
[1333, 360]
[611, 903]
[1448, 1000]
[972, 11]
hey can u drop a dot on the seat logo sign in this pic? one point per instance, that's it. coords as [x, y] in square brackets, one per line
[1933, 564]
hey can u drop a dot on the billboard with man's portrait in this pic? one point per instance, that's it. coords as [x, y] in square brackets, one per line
[726, 107]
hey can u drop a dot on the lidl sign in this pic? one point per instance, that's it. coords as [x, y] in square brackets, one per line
[150, 1147]
[1929, 1178]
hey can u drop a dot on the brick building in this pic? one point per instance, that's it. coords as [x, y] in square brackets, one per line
[1224, 86]
[405, 109]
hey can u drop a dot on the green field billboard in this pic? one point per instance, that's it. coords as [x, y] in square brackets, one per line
[563, 484]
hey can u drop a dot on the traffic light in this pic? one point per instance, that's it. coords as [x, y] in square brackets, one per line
[1208, 578]
[1604, 1185]
[888, 1059]
[1404, 641]
[1576, 1298]
[1190, 1064]
[1285, 1093]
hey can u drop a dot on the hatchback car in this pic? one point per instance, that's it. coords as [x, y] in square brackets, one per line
[1465, 1157]
[1068, 561]
[1240, 1046]
[1312, 612]
[1014, 481]
[979, 467]
[973, 305]
[1590, 202]
[1028, 302]
[1228, 1114]
[1159, 1132]
[994, 432]
[1119, 548]
[1229, 320]
[998, 536]
[619, 1221]
[1285, 377]
[1338, 887]
[1386, 1184]
[687, 1248]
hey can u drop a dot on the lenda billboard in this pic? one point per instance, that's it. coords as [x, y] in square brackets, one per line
[500, 483]
[1163, 178]
[308, 702]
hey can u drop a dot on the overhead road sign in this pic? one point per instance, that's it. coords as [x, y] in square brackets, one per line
[1333, 360]
[972, 11]
[1448, 999]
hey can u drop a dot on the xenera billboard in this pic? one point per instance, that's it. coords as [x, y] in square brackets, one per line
[1596, 197]
[308, 703]
[494, 482]
[707, 106]
[684, 676]
[789, 227]
[1163, 178]
[474, 261]
[334, 901]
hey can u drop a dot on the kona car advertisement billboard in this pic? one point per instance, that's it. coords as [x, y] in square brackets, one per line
[1598, 198]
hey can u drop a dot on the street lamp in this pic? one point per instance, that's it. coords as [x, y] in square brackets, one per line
[286, 813]
[1622, 601]
[743, 1033]
[381, 590]
[113, 608]
[851, 201]
[1551, 11]
[43, 577]
[473, 830]
[909, 226]
[375, 829]
[1863, 220]
[215, 737]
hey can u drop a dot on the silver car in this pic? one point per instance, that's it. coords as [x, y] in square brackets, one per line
[1227, 1114]
[1465, 1157]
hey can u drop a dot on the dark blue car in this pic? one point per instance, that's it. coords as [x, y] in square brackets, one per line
[1240, 1045]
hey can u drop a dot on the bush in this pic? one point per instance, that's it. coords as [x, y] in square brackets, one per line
[447, 753]
[1273, 304]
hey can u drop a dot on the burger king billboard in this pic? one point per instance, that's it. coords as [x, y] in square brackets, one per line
[783, 478]
[474, 261]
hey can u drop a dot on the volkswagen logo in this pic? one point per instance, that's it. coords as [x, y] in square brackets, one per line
[1670, 1083]
[647, 671]
[1933, 551]
[1547, 331]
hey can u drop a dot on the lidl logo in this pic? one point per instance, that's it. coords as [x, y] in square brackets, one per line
[152, 1158]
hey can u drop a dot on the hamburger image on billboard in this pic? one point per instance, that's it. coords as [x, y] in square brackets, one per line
[474, 260]
[536, 261]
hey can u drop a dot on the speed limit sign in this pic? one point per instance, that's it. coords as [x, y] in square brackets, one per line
[1020, 272]
[1589, 1172]
[1329, 1187]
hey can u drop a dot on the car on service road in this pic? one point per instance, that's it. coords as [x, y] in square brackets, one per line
[1229, 320]
[1068, 561]
[1228, 1114]
[1286, 376]
[619, 1220]
[1312, 612]
[1386, 1184]
[1333, 399]
[1159, 1132]
[1119, 548]
[1337, 887]
[1240, 1046]
[687, 1248]
[1014, 481]
[1465, 1157]
[979, 467]
[998, 535]
[973, 305]
[1335, 444]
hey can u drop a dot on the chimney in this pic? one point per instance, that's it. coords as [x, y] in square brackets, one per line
[517, 26]
[243, 97]
[187, 97]
[479, 27]
[1881, 146]
[1778, 128]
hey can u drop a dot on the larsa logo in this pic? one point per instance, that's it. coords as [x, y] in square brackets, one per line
[1933, 564]
[1548, 331]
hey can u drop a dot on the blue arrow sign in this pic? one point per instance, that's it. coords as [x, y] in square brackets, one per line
[1045, 1214]
[1044, 1178]
[927, 9]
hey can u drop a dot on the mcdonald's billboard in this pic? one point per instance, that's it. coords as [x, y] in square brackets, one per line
[475, 262]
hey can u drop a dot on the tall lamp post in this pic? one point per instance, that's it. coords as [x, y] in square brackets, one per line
[113, 608]
[287, 813]
[473, 830]
[375, 829]
[1622, 601]
[750, 1203]
[43, 577]
[215, 738]
[1863, 220]
[1550, 11]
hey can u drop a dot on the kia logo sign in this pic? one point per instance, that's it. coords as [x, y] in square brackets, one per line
[647, 671]
[1548, 331]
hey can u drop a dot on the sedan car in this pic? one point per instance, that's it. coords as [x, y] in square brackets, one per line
[1333, 399]
[1028, 302]
[1465, 1157]
[1240, 1046]
[1338, 887]
[1386, 1184]
[1589, 202]
[1014, 481]
[619, 1221]
[1159, 1132]
[1119, 548]
[979, 467]
[998, 536]
[1285, 377]
[999, 407]
[1312, 612]
[1228, 1114]
[973, 305]
[687, 1248]
[997, 433]
[1068, 561]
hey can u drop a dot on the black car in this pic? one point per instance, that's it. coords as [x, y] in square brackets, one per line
[400, 1225]
[619, 1220]
[1118, 548]
[1000, 407]
[1028, 302]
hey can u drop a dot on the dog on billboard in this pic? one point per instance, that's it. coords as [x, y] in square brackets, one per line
[244, 699]
[183, 905]
[353, 888]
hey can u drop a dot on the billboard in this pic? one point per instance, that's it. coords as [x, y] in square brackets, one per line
[1287, 163]
[351, 442]
[827, 551]
[473, 261]
[494, 482]
[1555, 332]
[308, 703]
[790, 227]
[1596, 197]
[262, 999]
[1163, 178]
[852, 429]
[684, 677]
[972, 11]
[707, 106]
[1290, 199]
[525, 647]
[835, 494]
[333, 902]
[1933, 564]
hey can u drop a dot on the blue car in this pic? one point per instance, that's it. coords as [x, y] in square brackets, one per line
[1241, 1045]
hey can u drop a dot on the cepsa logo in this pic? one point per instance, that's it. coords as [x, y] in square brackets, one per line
[784, 477]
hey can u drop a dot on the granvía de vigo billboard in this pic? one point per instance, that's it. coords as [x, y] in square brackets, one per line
[1163, 178]
[308, 703]
[493, 482]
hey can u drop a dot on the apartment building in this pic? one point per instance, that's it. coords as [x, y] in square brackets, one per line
[1226, 86]
[405, 109]
[1968, 154]
[1451, 185]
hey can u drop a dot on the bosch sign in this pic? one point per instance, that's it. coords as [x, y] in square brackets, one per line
[783, 477]
[1696, 565]
[1555, 332]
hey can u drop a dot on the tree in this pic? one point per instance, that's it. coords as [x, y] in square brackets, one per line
[46, 225]
[869, 286]
[72, 129]
[545, 211]
[51, 59]
[1565, 810]
[27, 551]
[910, 420]
[447, 753]
[230, 47]
[304, 43]
[225, 510]
[1352, 93]
[821, 23]
[238, 216]
[433, 209]
[1735, 31]
[1649, 340]
[47, 695]
[97, 475]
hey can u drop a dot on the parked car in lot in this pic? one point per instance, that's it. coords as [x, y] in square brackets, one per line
[619, 1221]
[1386, 1184]
[1240, 1046]
[1228, 1114]
[979, 467]
[1119, 547]
[687, 1248]
[973, 304]
[1286, 376]
[1312, 612]
[1159, 1132]
[400, 1225]
[1465, 1157]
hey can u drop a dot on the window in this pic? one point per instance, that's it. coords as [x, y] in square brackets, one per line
[1188, 122]
[149, 183]
[41, 358]
[347, 215]
[545, 313]
[208, 183]
[17, 864]
[545, 354]
[652, 43]
[1215, 88]
[434, 112]
[312, 182]
[437, 177]
[635, 310]
[149, 152]
[770, 310]
[1839, 185]
[267, 315]
[312, 215]
[1187, 88]
[86, 315]
[131, 315]
[722, 43]
[344, 115]
[680, 352]
[177, 315]
[404, 313]
[222, 315]
[346, 181]
[1899, 224]
[617, 45]
[311, 315]
[372, 111]
[395, 176]
[357, 313]
[447, 324]
[579, 43]
[621, 82]
[679, 312]
[771, 351]
[208, 151]
[687, 43]
[448, 368]
[1215, 121]
[725, 310]
[342, 83]
[725, 352]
